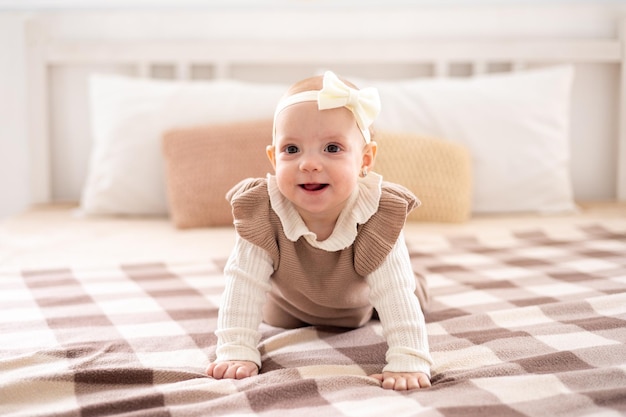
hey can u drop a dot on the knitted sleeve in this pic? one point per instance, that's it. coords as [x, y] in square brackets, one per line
[392, 288]
[247, 275]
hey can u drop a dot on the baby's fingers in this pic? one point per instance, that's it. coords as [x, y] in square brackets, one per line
[217, 370]
[386, 381]
[402, 381]
[240, 371]
[424, 381]
[232, 370]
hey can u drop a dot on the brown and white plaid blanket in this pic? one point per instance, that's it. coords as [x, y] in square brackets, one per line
[528, 325]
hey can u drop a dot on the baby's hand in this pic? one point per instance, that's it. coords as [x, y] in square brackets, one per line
[232, 369]
[402, 381]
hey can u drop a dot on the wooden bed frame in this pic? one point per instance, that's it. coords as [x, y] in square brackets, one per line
[59, 66]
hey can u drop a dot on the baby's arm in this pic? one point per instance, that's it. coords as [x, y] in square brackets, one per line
[247, 273]
[392, 288]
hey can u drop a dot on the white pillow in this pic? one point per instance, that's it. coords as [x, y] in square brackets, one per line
[516, 126]
[129, 117]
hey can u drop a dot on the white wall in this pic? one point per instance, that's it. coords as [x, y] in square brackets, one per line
[14, 150]
[451, 18]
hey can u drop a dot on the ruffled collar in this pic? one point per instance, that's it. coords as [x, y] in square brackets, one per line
[362, 205]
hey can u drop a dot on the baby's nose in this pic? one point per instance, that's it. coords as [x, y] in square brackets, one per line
[310, 161]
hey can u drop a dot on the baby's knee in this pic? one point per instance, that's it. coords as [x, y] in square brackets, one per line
[277, 317]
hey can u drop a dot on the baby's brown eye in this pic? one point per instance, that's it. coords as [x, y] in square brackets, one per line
[332, 148]
[291, 149]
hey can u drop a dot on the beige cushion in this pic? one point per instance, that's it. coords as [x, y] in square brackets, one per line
[437, 171]
[203, 163]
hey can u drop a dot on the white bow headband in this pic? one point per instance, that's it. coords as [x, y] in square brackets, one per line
[364, 104]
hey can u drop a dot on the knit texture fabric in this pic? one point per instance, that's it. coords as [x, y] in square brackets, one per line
[321, 282]
[438, 171]
[310, 284]
[203, 162]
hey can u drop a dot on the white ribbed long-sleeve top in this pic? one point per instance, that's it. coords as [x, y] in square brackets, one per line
[392, 284]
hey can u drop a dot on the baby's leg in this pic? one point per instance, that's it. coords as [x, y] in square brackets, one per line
[275, 316]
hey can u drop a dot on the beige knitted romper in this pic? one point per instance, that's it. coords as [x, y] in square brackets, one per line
[311, 285]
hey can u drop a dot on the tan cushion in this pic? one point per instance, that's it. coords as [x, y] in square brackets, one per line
[203, 163]
[437, 171]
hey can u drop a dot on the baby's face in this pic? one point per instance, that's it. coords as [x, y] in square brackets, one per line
[318, 156]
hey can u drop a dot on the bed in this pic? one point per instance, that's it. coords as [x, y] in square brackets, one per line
[109, 296]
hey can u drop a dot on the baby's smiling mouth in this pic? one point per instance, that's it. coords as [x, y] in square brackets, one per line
[313, 187]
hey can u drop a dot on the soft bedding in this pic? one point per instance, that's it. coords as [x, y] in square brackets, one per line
[115, 317]
[515, 127]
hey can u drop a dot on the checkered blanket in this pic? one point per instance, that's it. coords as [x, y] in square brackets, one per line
[528, 324]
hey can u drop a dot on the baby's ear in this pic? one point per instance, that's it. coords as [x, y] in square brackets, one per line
[270, 150]
[369, 155]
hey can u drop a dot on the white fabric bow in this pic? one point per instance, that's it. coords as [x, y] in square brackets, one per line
[364, 104]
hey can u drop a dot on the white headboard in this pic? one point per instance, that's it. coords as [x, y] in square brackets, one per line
[59, 66]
